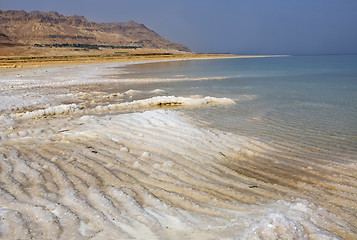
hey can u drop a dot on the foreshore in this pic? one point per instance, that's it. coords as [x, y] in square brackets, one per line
[86, 152]
[19, 61]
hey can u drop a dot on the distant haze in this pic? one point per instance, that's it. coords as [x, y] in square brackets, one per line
[235, 26]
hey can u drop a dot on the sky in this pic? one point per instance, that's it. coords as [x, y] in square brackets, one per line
[226, 26]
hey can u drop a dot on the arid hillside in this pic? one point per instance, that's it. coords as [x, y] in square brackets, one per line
[23, 33]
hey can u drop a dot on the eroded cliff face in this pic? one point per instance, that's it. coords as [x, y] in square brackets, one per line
[52, 28]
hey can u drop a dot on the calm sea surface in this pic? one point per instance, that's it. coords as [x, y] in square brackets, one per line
[308, 101]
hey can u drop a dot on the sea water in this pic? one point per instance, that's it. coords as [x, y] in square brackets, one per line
[298, 99]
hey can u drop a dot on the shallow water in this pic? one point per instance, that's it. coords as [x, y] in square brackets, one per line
[97, 154]
[300, 99]
[302, 107]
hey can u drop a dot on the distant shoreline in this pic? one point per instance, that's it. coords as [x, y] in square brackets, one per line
[37, 61]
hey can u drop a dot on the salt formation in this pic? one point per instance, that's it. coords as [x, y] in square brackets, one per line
[127, 106]
[149, 175]
[57, 110]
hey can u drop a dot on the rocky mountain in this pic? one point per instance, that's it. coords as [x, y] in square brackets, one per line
[51, 29]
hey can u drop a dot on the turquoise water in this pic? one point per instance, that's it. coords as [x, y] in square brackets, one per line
[308, 100]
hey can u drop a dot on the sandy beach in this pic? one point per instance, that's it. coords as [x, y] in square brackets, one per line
[36, 61]
[80, 162]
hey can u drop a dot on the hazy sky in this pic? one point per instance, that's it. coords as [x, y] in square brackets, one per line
[236, 26]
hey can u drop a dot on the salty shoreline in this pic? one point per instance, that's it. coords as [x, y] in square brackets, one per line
[53, 85]
[57, 76]
[67, 72]
[79, 162]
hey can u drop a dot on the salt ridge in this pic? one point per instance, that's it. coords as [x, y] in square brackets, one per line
[127, 106]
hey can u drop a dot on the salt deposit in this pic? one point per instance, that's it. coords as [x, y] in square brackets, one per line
[127, 106]
[100, 165]
[149, 175]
